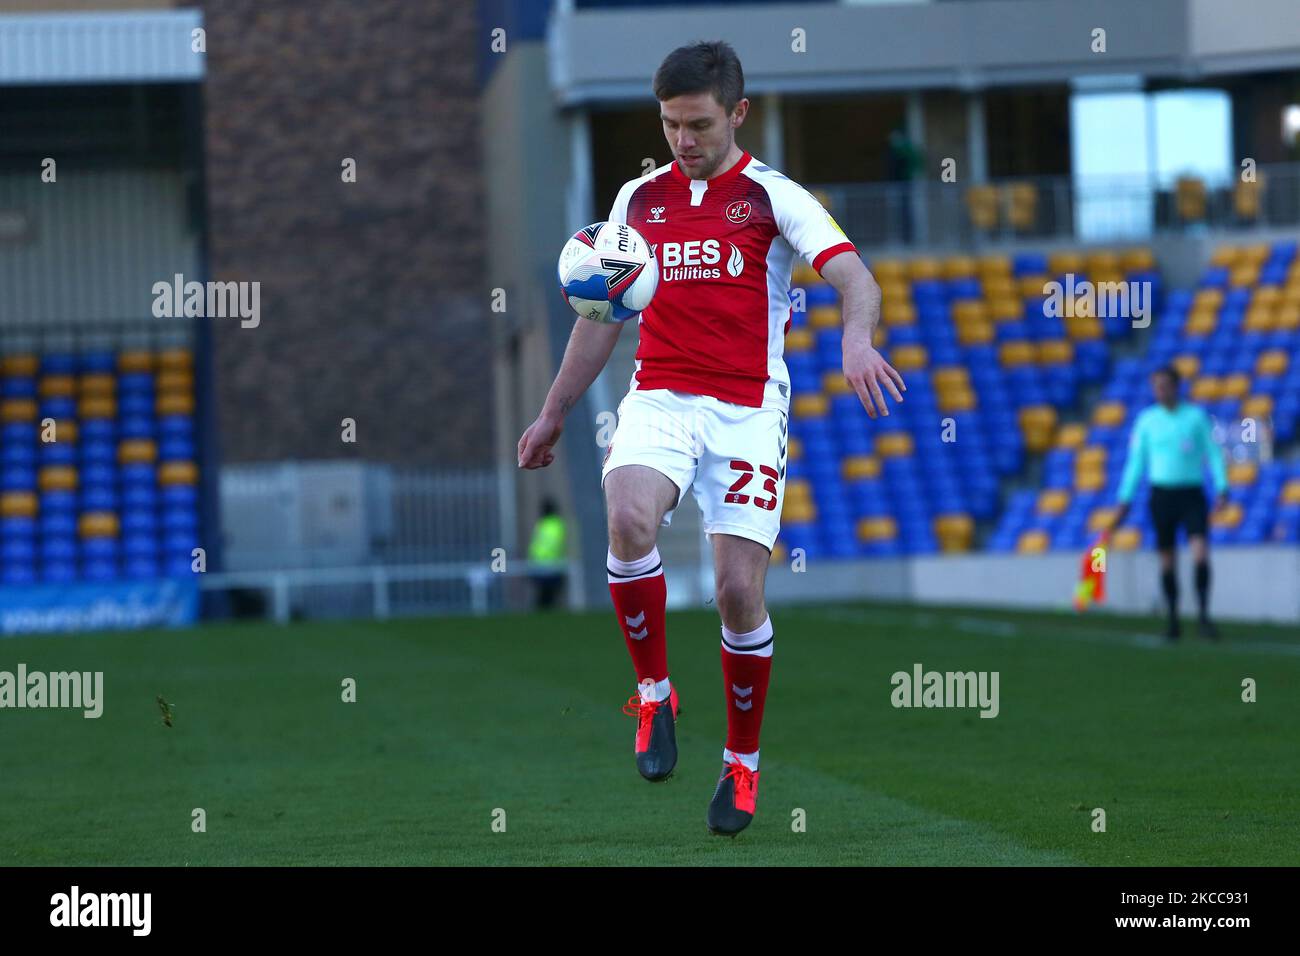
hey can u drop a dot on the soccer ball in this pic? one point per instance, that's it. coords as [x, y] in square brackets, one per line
[608, 272]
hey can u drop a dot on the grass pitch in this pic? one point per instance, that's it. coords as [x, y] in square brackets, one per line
[457, 720]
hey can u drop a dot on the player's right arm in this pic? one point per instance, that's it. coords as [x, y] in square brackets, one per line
[590, 346]
[1133, 469]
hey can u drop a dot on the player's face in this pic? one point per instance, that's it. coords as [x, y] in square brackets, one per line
[700, 131]
[1163, 387]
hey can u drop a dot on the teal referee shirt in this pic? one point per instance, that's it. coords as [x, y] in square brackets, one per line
[1173, 447]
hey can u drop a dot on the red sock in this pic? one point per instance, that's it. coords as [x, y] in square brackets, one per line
[640, 596]
[746, 667]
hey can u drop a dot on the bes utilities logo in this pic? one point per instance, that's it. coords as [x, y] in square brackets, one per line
[697, 259]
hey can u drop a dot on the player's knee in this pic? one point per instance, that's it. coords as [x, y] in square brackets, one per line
[631, 531]
[739, 600]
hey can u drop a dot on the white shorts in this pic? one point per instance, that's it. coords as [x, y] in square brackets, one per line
[731, 456]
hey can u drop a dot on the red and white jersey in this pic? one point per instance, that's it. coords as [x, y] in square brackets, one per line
[725, 248]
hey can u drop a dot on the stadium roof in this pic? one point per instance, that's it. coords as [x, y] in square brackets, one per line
[968, 45]
[125, 47]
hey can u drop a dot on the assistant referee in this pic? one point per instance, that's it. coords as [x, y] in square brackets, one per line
[1172, 443]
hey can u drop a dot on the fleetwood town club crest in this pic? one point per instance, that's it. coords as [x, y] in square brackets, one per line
[738, 211]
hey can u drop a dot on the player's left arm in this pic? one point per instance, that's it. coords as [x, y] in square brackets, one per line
[1214, 455]
[864, 367]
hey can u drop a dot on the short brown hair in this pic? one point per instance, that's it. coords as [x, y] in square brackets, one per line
[702, 67]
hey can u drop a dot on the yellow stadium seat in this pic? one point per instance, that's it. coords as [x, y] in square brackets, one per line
[855, 467]
[1084, 328]
[999, 287]
[1022, 205]
[1207, 298]
[1090, 457]
[1261, 317]
[63, 431]
[1099, 519]
[137, 451]
[798, 489]
[1267, 295]
[798, 512]
[959, 267]
[1066, 261]
[881, 528]
[97, 524]
[1089, 479]
[1224, 256]
[924, 267]
[982, 206]
[886, 270]
[1104, 262]
[969, 310]
[957, 401]
[880, 338]
[18, 504]
[904, 358]
[20, 366]
[1290, 493]
[1032, 542]
[1126, 538]
[1056, 352]
[821, 317]
[810, 406]
[895, 314]
[1272, 362]
[895, 290]
[994, 265]
[174, 403]
[1243, 275]
[178, 473]
[1071, 435]
[57, 386]
[1287, 317]
[98, 384]
[135, 360]
[1234, 386]
[17, 410]
[1137, 260]
[1189, 198]
[1187, 365]
[1255, 254]
[794, 449]
[955, 532]
[779, 553]
[1053, 501]
[950, 377]
[799, 340]
[1229, 516]
[1037, 425]
[976, 333]
[1109, 413]
[1257, 407]
[1201, 323]
[1007, 309]
[58, 478]
[1207, 388]
[97, 406]
[1032, 286]
[1243, 473]
[180, 358]
[803, 274]
[834, 383]
[1246, 199]
[894, 445]
[1016, 353]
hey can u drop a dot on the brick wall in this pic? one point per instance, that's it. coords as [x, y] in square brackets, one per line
[372, 300]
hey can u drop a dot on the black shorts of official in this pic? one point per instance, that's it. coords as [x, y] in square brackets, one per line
[1174, 505]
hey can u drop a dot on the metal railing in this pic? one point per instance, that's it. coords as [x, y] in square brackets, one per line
[937, 215]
